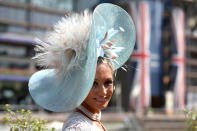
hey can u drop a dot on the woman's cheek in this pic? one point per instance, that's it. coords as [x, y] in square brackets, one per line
[110, 92]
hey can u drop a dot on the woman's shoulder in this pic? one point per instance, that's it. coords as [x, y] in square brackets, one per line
[77, 121]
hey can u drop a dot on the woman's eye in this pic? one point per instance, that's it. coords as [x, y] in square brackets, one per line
[108, 83]
[95, 83]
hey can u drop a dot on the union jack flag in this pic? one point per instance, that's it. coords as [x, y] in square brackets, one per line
[141, 92]
[179, 58]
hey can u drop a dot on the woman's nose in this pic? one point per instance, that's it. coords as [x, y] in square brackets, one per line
[102, 90]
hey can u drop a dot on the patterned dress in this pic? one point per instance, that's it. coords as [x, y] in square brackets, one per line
[78, 122]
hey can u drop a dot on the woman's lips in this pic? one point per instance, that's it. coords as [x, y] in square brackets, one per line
[101, 100]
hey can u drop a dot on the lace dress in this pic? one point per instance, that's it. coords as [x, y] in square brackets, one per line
[78, 122]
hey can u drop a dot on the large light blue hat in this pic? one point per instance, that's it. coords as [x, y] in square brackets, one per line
[62, 88]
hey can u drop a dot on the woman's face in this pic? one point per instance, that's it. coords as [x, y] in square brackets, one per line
[101, 91]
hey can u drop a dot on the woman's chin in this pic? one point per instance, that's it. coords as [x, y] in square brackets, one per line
[102, 107]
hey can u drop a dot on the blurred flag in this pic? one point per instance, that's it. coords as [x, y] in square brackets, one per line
[179, 57]
[146, 58]
[141, 92]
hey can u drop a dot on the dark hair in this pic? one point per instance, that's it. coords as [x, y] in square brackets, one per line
[102, 60]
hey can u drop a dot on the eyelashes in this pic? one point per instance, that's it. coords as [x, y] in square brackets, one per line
[95, 84]
[107, 83]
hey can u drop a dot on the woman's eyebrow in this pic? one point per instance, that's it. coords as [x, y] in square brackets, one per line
[109, 79]
[95, 79]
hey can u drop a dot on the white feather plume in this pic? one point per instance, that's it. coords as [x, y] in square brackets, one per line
[65, 45]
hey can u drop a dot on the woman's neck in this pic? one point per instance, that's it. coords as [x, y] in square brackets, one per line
[86, 112]
[92, 110]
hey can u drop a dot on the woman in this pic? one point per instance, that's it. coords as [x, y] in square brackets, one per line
[87, 116]
[81, 55]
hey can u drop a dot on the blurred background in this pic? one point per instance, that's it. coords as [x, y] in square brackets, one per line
[161, 77]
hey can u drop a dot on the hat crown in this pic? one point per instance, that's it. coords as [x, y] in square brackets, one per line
[112, 34]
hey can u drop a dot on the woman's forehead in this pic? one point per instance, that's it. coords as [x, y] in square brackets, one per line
[104, 70]
[104, 66]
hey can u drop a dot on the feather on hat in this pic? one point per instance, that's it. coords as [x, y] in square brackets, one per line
[66, 44]
[71, 52]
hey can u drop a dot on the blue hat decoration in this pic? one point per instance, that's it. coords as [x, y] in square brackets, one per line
[71, 52]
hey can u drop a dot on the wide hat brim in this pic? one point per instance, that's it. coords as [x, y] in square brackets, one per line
[107, 16]
[61, 95]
